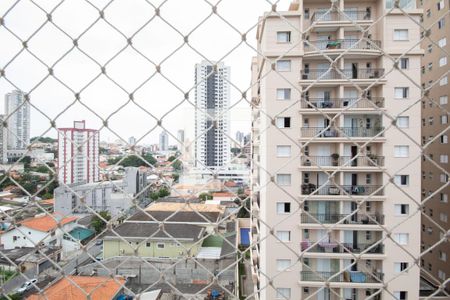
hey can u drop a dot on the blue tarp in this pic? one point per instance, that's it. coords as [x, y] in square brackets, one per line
[245, 236]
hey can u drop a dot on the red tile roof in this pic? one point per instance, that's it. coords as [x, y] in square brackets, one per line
[46, 223]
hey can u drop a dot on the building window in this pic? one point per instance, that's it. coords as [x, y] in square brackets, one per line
[283, 94]
[443, 61]
[430, 120]
[402, 295]
[400, 267]
[283, 36]
[160, 245]
[368, 235]
[441, 275]
[444, 139]
[443, 178]
[401, 151]
[443, 217]
[444, 198]
[306, 13]
[443, 159]
[401, 238]
[147, 244]
[283, 122]
[443, 81]
[283, 207]
[442, 255]
[283, 151]
[405, 4]
[368, 178]
[402, 122]
[283, 264]
[441, 23]
[430, 48]
[401, 180]
[440, 5]
[428, 13]
[401, 92]
[284, 236]
[401, 209]
[284, 179]
[283, 293]
[284, 65]
[401, 34]
[444, 119]
[442, 42]
[443, 100]
[404, 63]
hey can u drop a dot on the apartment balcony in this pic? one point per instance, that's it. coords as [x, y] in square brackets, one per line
[342, 74]
[343, 248]
[340, 103]
[332, 218]
[345, 132]
[332, 190]
[346, 161]
[342, 44]
[345, 276]
[348, 15]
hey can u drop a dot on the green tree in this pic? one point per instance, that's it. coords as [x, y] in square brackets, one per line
[97, 223]
[154, 196]
[134, 161]
[244, 211]
[205, 196]
[175, 177]
[163, 192]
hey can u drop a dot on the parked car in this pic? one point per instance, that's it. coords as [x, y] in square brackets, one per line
[27, 285]
[98, 242]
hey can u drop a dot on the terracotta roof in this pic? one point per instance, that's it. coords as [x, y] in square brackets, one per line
[102, 288]
[230, 184]
[46, 223]
[47, 202]
[178, 207]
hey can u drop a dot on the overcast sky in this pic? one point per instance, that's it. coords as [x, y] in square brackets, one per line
[156, 41]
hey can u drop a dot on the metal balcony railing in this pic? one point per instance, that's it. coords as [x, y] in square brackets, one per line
[343, 74]
[333, 247]
[348, 161]
[333, 218]
[346, 276]
[372, 102]
[361, 44]
[350, 15]
[322, 132]
[310, 188]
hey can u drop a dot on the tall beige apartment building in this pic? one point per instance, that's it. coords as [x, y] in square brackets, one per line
[336, 151]
[435, 108]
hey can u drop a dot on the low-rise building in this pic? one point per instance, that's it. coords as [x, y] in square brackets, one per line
[115, 197]
[42, 229]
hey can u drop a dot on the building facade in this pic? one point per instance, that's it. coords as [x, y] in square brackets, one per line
[180, 137]
[337, 163]
[435, 192]
[78, 154]
[17, 116]
[212, 99]
[163, 141]
[3, 142]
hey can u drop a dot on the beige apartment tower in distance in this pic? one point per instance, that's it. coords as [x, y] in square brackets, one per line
[435, 108]
[336, 129]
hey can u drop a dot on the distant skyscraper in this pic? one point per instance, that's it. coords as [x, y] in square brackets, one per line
[78, 151]
[17, 110]
[180, 137]
[212, 97]
[163, 141]
[132, 140]
[3, 141]
[239, 137]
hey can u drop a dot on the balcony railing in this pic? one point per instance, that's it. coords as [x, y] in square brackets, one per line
[359, 161]
[323, 132]
[346, 276]
[350, 15]
[311, 188]
[332, 218]
[371, 102]
[343, 74]
[332, 247]
[362, 44]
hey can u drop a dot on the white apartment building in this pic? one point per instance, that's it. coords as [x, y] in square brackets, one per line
[323, 186]
[17, 117]
[78, 154]
[212, 99]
